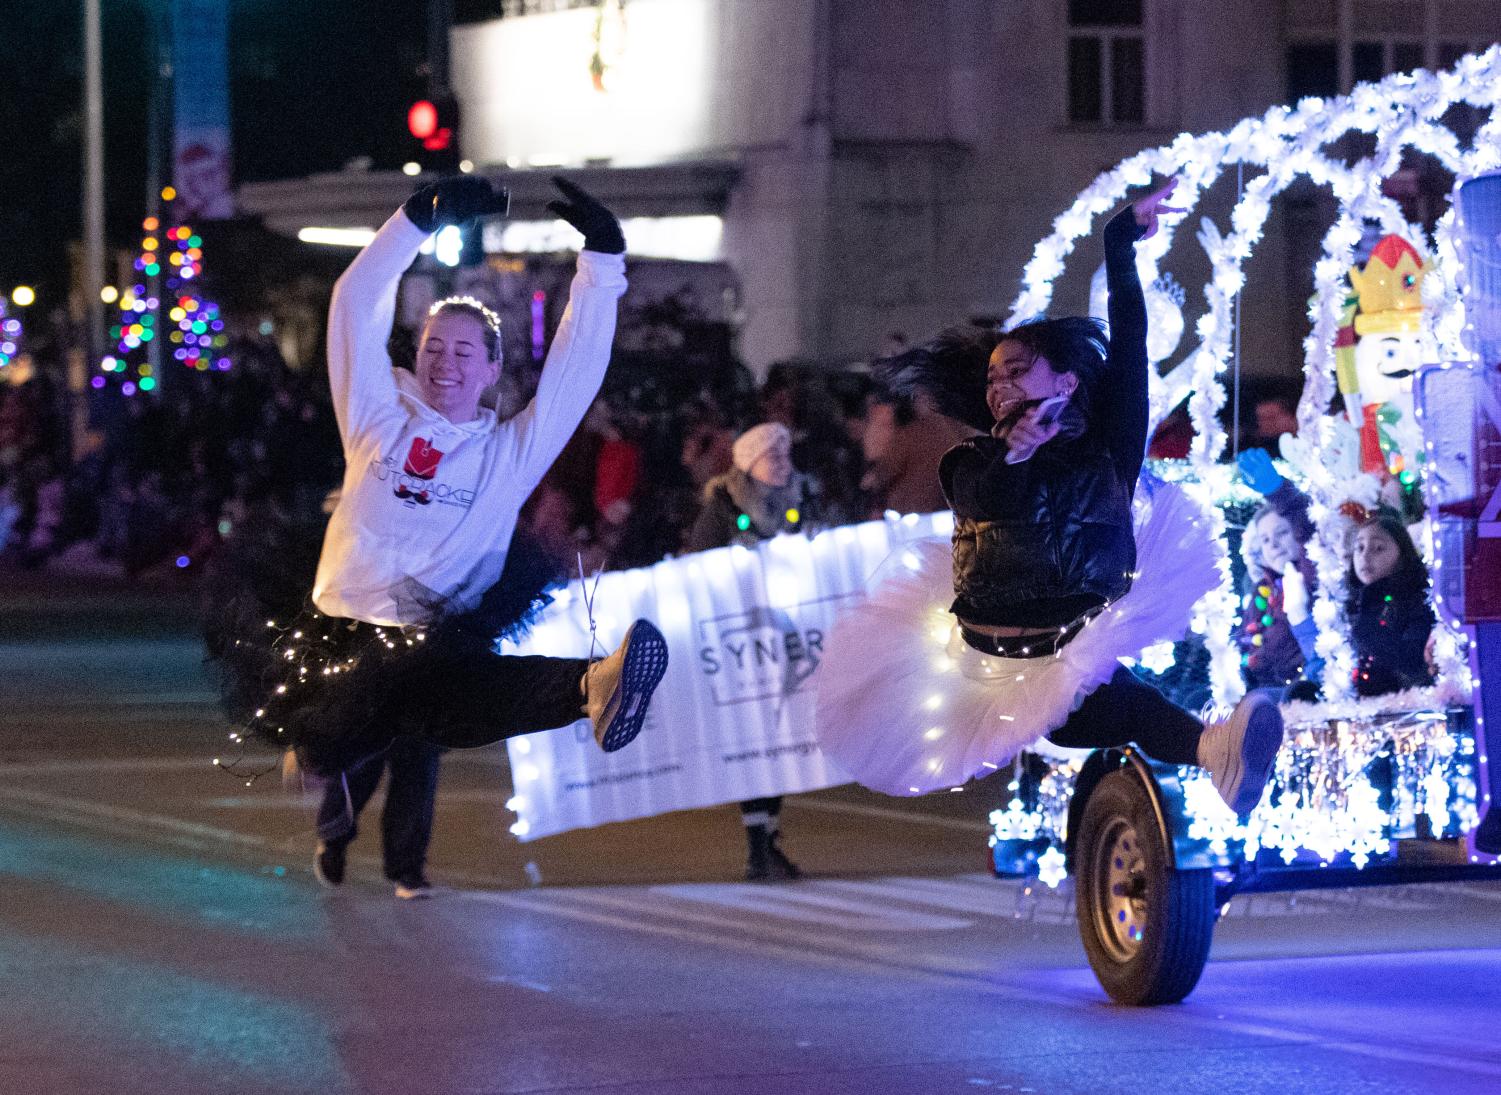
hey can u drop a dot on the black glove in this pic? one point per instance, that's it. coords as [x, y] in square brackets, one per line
[455, 200]
[600, 227]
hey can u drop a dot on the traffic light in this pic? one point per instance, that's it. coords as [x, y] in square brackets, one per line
[434, 123]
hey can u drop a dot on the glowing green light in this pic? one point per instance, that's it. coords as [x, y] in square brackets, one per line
[1266, 621]
[147, 383]
[743, 522]
[152, 269]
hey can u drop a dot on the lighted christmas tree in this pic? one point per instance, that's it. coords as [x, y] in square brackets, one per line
[192, 324]
[129, 364]
[199, 338]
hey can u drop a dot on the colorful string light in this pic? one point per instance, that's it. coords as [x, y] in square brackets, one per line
[191, 326]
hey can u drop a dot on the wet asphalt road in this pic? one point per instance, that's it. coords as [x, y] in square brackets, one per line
[160, 931]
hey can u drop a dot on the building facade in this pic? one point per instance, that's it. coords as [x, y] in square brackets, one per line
[862, 167]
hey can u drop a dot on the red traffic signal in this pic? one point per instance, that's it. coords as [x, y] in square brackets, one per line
[432, 123]
[422, 120]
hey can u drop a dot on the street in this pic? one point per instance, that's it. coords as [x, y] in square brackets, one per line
[163, 932]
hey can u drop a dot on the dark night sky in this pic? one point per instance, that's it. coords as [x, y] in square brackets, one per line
[312, 85]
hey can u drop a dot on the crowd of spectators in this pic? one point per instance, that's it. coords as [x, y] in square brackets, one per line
[157, 481]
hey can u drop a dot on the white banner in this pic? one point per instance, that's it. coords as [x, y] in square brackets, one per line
[733, 718]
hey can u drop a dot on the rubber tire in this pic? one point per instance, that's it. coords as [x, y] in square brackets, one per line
[1180, 911]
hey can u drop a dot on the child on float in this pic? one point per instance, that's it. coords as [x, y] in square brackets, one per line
[1386, 610]
[1052, 578]
[1275, 633]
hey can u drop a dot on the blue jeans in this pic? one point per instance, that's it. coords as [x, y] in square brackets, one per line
[411, 794]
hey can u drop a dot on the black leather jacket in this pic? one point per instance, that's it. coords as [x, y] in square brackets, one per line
[1037, 543]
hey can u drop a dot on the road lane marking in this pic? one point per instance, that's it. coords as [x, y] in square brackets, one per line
[907, 817]
[106, 764]
[103, 812]
[825, 952]
[991, 903]
[804, 904]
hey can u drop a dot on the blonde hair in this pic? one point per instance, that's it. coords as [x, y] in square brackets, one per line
[488, 317]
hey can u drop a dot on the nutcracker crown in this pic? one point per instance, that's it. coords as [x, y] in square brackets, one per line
[1390, 288]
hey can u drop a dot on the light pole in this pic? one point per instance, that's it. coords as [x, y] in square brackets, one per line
[158, 103]
[93, 184]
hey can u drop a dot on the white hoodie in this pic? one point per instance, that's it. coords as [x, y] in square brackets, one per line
[428, 506]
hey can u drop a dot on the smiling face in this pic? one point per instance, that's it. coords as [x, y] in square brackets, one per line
[453, 365]
[1375, 554]
[1017, 375]
[1279, 542]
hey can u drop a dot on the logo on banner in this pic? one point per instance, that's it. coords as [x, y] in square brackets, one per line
[765, 653]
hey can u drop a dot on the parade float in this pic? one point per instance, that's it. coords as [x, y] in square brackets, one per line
[1368, 789]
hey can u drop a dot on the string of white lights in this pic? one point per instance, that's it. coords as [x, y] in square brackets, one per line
[1313, 140]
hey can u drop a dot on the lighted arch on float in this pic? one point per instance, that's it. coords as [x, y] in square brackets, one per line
[1403, 113]
[1287, 143]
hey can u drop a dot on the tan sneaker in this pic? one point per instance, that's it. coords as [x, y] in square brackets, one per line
[618, 688]
[292, 774]
[1239, 751]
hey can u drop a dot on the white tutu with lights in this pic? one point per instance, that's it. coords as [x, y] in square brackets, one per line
[906, 706]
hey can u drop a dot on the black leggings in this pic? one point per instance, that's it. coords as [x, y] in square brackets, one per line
[461, 699]
[772, 807]
[478, 698]
[1124, 710]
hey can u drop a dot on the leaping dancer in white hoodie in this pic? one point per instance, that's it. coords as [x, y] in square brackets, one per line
[410, 596]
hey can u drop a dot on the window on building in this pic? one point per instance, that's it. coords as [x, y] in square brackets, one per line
[1313, 66]
[1106, 62]
[1312, 70]
[1371, 59]
[1448, 53]
[1104, 13]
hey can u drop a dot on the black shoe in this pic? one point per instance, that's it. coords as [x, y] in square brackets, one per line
[766, 862]
[413, 887]
[329, 862]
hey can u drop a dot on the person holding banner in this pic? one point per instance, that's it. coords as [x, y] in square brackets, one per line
[758, 498]
[1059, 567]
[415, 581]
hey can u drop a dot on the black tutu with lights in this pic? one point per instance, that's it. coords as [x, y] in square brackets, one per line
[296, 678]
